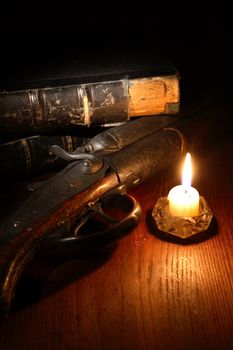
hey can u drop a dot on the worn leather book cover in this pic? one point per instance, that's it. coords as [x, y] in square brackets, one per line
[31, 156]
[96, 91]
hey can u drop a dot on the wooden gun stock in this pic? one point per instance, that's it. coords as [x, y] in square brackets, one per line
[16, 252]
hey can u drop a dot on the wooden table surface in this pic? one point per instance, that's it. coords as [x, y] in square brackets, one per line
[151, 292]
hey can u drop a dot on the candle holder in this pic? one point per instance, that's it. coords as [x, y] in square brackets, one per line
[178, 226]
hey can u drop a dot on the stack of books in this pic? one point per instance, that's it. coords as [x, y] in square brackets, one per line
[68, 103]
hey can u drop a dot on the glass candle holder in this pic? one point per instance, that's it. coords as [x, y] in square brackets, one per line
[182, 227]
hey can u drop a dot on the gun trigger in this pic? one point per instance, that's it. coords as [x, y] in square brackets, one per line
[114, 202]
[78, 243]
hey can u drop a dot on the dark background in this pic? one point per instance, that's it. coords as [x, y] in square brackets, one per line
[198, 40]
[195, 307]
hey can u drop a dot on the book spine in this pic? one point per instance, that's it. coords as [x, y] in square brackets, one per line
[104, 103]
[156, 95]
[31, 156]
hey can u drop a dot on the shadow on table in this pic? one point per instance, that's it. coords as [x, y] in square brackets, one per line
[47, 275]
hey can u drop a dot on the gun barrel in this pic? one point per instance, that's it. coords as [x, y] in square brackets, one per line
[121, 136]
[142, 160]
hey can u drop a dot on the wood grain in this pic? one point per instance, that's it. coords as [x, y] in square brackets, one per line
[151, 292]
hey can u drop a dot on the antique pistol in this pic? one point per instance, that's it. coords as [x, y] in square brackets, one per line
[98, 176]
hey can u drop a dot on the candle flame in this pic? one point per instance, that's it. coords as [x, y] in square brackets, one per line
[187, 171]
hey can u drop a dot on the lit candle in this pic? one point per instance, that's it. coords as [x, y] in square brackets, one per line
[184, 199]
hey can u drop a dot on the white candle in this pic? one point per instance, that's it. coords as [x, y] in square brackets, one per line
[184, 199]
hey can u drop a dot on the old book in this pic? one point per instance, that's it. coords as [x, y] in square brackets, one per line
[31, 156]
[82, 92]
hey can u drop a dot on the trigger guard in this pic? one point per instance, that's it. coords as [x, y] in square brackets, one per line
[132, 218]
[70, 246]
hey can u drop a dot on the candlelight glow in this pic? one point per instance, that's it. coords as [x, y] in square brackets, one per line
[187, 171]
[184, 199]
